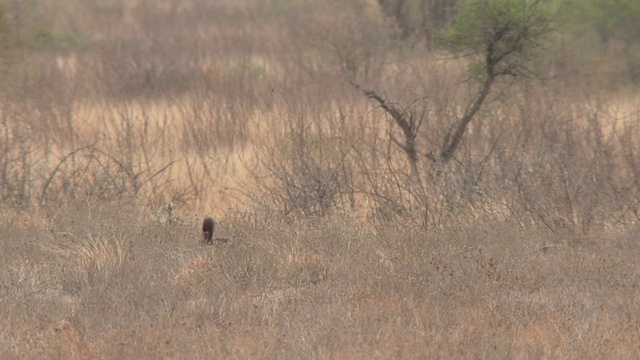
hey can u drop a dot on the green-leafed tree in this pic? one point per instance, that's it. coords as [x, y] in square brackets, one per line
[499, 37]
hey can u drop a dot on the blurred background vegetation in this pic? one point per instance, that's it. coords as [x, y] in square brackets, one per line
[595, 39]
[212, 105]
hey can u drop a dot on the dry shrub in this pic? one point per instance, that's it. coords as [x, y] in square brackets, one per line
[224, 115]
[94, 259]
[303, 177]
[319, 287]
[543, 161]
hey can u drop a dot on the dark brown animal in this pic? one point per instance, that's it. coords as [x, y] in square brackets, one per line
[208, 227]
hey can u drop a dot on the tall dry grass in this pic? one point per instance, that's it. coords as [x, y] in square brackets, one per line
[126, 121]
[215, 106]
[324, 288]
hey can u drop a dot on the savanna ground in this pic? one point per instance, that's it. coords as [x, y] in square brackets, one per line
[124, 122]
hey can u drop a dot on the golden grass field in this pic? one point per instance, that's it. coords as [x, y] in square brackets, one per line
[109, 283]
[124, 123]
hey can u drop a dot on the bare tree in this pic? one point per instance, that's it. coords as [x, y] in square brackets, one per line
[407, 121]
[499, 37]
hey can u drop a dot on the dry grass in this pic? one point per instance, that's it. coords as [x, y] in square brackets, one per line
[124, 122]
[329, 288]
[212, 107]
